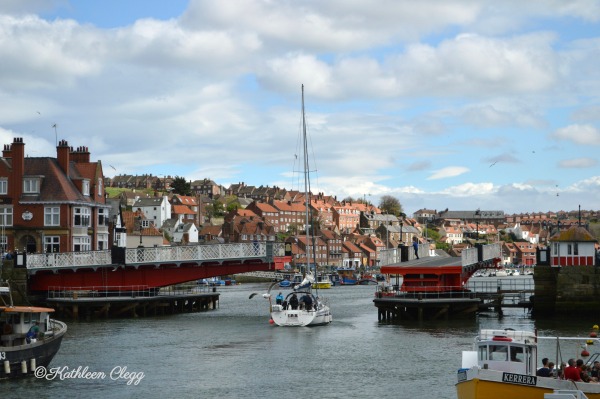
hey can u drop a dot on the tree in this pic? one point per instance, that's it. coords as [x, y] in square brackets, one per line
[391, 205]
[181, 186]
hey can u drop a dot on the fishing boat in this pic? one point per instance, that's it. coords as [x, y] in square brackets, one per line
[302, 307]
[322, 282]
[29, 338]
[347, 275]
[503, 364]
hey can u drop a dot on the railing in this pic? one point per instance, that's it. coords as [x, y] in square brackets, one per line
[258, 250]
[68, 259]
[123, 291]
[391, 256]
[502, 285]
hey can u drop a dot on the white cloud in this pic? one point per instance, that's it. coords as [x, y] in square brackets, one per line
[578, 163]
[579, 134]
[450, 171]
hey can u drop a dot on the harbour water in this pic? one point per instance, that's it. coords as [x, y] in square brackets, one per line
[234, 352]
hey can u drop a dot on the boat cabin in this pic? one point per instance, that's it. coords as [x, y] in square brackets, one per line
[504, 350]
[15, 322]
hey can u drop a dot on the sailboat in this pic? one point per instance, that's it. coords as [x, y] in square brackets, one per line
[302, 307]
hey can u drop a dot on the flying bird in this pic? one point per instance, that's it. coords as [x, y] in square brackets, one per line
[493, 164]
[112, 167]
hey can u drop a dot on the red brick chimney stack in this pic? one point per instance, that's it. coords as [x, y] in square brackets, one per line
[18, 165]
[7, 152]
[62, 154]
[81, 155]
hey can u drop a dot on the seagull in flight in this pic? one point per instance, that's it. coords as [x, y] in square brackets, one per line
[493, 164]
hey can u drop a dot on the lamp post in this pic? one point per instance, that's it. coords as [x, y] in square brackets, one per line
[140, 225]
[477, 213]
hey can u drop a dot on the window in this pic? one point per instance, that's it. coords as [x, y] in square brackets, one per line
[81, 217]
[6, 216]
[52, 244]
[569, 249]
[31, 185]
[100, 190]
[3, 186]
[576, 248]
[102, 242]
[52, 216]
[85, 187]
[102, 217]
[81, 244]
[3, 243]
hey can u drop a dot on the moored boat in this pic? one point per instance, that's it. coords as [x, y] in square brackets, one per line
[502, 365]
[322, 282]
[29, 339]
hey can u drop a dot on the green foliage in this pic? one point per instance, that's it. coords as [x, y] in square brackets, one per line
[181, 186]
[391, 205]
[432, 234]
[443, 246]
[216, 209]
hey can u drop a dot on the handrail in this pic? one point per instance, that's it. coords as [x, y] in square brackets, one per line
[122, 291]
[201, 252]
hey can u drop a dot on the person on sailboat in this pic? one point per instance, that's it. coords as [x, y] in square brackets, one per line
[279, 299]
[294, 302]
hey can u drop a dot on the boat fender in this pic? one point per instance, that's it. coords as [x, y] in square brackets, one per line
[500, 338]
[24, 367]
[271, 321]
[6, 367]
[33, 364]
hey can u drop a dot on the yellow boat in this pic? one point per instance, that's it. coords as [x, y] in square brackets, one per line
[322, 282]
[503, 365]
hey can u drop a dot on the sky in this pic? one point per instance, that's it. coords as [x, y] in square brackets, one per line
[458, 104]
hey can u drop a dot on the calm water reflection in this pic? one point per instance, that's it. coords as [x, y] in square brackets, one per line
[234, 353]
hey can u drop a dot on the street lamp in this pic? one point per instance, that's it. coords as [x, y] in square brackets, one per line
[140, 225]
[477, 213]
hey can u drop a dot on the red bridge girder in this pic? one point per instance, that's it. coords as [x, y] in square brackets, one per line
[144, 275]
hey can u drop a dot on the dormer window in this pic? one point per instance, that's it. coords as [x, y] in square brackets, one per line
[31, 185]
[85, 187]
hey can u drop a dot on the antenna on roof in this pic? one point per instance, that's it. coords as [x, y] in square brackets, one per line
[55, 134]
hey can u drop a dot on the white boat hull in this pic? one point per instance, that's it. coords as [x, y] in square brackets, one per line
[301, 317]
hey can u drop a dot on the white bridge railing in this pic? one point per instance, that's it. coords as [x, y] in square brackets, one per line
[216, 252]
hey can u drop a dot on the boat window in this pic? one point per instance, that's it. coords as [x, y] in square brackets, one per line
[483, 353]
[27, 318]
[516, 354]
[499, 352]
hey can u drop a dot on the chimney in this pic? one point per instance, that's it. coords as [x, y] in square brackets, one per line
[18, 166]
[63, 154]
[7, 153]
[81, 155]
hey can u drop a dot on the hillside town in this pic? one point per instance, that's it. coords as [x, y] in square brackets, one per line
[63, 204]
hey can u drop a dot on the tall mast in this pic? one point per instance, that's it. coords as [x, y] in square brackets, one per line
[306, 182]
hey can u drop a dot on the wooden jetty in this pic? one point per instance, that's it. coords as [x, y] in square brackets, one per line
[131, 301]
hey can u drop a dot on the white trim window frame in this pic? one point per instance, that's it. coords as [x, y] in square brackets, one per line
[85, 187]
[3, 186]
[81, 244]
[31, 185]
[52, 216]
[81, 216]
[52, 244]
[6, 216]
